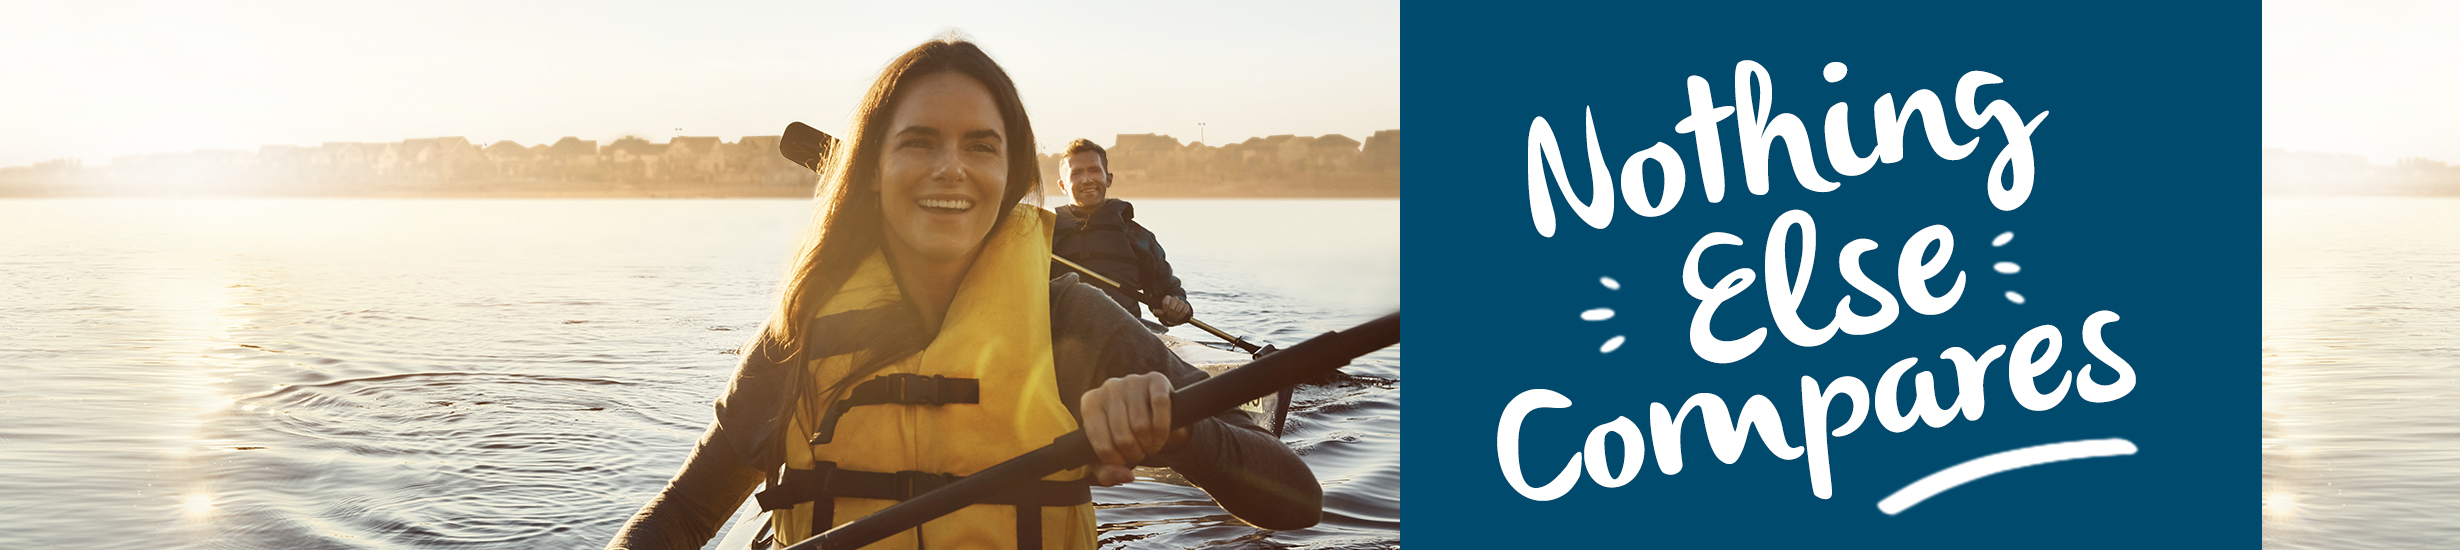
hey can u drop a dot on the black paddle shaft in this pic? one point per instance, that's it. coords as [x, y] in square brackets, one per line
[1156, 301]
[1306, 361]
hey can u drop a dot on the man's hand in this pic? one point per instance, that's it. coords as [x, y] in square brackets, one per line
[1127, 419]
[1173, 311]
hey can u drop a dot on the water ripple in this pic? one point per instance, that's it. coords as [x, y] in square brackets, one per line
[460, 374]
[2359, 373]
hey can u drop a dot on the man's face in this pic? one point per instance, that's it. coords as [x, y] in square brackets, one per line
[1086, 179]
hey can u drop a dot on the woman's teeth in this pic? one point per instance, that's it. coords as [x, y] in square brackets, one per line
[954, 205]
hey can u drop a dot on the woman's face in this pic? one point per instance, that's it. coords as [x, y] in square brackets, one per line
[944, 170]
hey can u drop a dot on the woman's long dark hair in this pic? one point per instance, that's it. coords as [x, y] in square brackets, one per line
[848, 226]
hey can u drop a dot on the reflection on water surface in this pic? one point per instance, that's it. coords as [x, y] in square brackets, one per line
[2361, 366]
[523, 373]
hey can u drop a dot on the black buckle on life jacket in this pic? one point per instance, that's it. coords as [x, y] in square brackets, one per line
[825, 480]
[915, 389]
[824, 483]
[898, 389]
[794, 486]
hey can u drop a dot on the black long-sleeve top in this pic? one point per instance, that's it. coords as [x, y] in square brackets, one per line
[1108, 240]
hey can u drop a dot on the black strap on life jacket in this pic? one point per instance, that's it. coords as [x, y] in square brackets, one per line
[825, 483]
[856, 331]
[899, 389]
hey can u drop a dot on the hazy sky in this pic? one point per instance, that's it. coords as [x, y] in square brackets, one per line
[94, 80]
[2376, 78]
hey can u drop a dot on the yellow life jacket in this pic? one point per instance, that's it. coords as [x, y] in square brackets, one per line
[983, 391]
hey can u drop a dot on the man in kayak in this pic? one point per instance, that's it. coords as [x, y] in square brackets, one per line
[1101, 234]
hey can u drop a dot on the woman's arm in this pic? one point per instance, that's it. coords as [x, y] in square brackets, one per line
[722, 469]
[696, 503]
[1247, 470]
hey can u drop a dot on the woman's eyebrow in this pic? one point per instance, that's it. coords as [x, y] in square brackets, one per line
[927, 131]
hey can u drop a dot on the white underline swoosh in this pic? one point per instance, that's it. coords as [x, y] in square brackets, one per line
[1978, 468]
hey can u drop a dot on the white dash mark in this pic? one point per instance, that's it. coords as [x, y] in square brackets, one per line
[1599, 314]
[2006, 268]
[2012, 296]
[1610, 284]
[1978, 468]
[1611, 344]
[2002, 239]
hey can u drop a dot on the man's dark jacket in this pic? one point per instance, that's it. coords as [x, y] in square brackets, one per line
[1110, 242]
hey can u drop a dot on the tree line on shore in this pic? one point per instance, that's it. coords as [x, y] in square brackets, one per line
[1284, 165]
[1147, 165]
[2289, 172]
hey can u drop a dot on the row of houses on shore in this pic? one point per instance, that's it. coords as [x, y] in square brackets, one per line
[1332, 162]
[2289, 172]
[438, 164]
[1152, 165]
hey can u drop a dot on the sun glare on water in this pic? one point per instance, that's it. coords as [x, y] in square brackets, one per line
[197, 505]
[2280, 506]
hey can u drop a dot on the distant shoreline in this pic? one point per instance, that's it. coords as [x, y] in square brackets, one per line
[2312, 173]
[1144, 165]
[730, 192]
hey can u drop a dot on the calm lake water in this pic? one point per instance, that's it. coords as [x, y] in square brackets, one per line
[2361, 367]
[299, 373]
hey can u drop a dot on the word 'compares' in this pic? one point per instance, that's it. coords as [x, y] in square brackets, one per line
[2035, 355]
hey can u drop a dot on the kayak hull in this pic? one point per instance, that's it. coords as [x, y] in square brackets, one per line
[1271, 412]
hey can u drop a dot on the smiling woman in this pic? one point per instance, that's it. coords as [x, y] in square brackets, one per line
[937, 179]
[920, 339]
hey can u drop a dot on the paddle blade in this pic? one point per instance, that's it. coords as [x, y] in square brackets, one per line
[805, 145]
